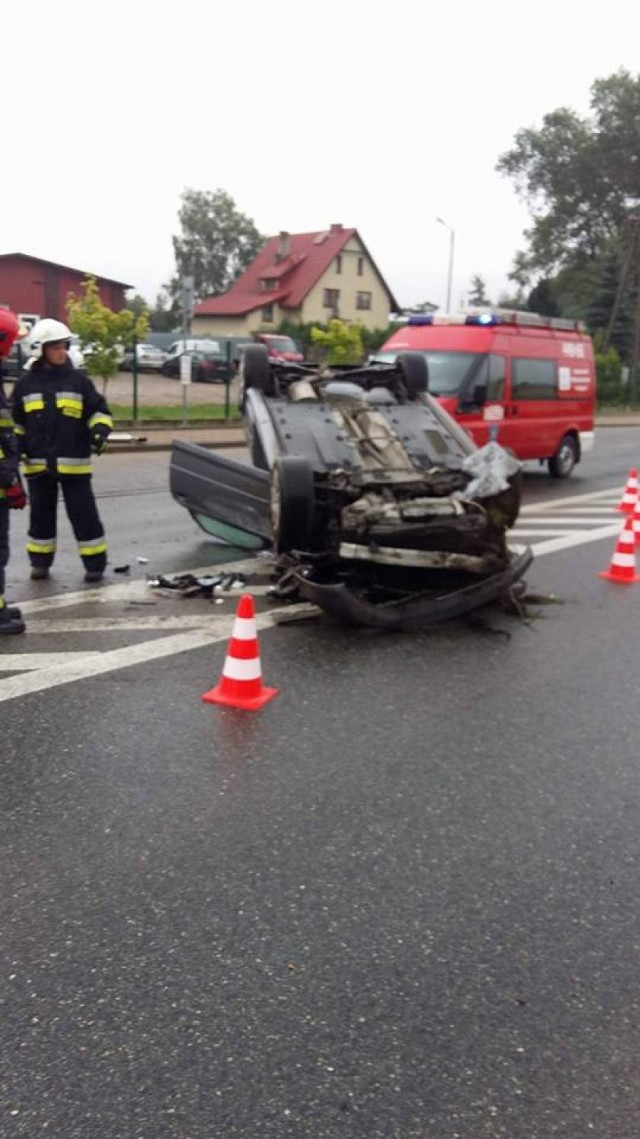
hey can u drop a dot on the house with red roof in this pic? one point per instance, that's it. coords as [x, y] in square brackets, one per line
[302, 277]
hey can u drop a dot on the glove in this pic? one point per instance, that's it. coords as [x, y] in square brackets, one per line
[16, 496]
[99, 442]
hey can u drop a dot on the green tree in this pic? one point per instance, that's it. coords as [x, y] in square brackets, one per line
[341, 343]
[478, 291]
[165, 315]
[541, 299]
[580, 177]
[610, 387]
[137, 305]
[103, 333]
[215, 244]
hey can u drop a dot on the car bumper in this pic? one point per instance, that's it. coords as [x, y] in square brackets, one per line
[342, 603]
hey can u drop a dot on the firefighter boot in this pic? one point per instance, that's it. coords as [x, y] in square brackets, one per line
[11, 621]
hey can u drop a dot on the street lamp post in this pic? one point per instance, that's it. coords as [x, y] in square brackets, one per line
[450, 273]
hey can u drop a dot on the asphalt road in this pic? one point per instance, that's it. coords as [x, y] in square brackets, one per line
[401, 902]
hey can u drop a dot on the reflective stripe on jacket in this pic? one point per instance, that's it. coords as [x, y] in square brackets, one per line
[8, 446]
[55, 412]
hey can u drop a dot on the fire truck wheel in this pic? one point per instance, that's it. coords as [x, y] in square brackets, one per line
[562, 463]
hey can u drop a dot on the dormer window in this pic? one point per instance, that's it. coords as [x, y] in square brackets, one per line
[268, 284]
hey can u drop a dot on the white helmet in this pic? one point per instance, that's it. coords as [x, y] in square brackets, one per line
[46, 331]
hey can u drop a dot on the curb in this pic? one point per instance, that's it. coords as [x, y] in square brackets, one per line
[233, 436]
[122, 441]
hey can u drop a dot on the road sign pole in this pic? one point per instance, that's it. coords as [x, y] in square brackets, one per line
[185, 380]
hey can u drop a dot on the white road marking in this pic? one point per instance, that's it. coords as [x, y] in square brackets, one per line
[133, 591]
[572, 500]
[40, 671]
[64, 671]
[132, 622]
[570, 519]
[26, 662]
[542, 532]
[575, 538]
[542, 520]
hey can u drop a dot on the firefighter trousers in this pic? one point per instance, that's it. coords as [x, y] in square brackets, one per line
[82, 512]
[4, 544]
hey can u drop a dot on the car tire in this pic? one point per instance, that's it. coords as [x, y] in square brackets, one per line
[415, 373]
[562, 463]
[257, 371]
[292, 503]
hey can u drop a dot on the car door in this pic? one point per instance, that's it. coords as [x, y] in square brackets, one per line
[226, 498]
[531, 414]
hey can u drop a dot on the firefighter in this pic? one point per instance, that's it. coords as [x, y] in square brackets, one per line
[60, 418]
[11, 491]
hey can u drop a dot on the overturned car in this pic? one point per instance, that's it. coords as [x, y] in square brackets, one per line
[379, 508]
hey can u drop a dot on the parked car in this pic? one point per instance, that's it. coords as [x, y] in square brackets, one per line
[279, 347]
[13, 364]
[148, 359]
[190, 344]
[19, 358]
[209, 361]
[380, 508]
[206, 367]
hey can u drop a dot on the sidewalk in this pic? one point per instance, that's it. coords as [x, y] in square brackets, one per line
[232, 434]
[161, 438]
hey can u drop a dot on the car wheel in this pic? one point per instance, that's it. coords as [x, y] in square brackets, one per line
[292, 503]
[562, 463]
[415, 373]
[257, 372]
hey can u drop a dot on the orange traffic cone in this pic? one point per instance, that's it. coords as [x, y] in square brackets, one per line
[630, 496]
[623, 563]
[635, 522]
[241, 681]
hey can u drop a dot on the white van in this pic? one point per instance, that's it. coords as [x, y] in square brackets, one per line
[179, 347]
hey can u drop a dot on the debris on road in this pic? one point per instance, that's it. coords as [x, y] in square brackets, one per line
[211, 586]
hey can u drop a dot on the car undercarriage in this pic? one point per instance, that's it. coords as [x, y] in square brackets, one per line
[377, 505]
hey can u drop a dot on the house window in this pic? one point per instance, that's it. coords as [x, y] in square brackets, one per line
[360, 266]
[268, 284]
[331, 298]
[363, 300]
[267, 313]
[339, 263]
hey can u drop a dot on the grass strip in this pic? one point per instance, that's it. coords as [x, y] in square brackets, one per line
[198, 413]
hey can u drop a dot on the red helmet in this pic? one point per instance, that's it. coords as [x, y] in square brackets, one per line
[9, 330]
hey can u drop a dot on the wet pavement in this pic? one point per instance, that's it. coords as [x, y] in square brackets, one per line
[399, 902]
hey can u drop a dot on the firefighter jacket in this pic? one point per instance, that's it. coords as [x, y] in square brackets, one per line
[58, 413]
[8, 446]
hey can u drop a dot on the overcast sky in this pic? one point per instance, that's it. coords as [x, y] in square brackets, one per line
[381, 117]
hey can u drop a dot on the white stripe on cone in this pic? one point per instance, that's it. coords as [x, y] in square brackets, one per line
[237, 669]
[630, 496]
[244, 629]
